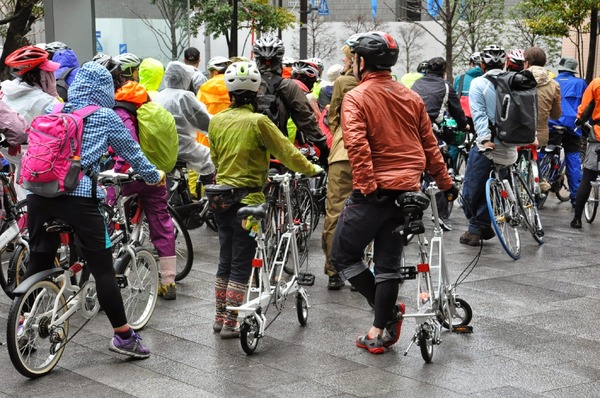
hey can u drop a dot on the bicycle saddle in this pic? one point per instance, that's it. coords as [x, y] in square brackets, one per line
[259, 212]
[57, 225]
[410, 201]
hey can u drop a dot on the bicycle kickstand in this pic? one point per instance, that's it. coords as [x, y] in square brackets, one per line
[412, 341]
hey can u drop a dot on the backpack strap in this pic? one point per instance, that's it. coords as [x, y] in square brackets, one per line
[440, 116]
[65, 74]
[83, 113]
[461, 82]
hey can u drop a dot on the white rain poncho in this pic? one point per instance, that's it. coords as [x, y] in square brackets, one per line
[190, 116]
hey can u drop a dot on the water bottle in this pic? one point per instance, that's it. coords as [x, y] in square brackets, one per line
[72, 177]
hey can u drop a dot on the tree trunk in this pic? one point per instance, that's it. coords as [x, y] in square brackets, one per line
[15, 35]
[448, 22]
[591, 61]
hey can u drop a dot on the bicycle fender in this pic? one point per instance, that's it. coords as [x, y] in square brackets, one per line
[33, 279]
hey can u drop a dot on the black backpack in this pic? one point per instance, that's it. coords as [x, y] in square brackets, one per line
[516, 107]
[268, 101]
[61, 84]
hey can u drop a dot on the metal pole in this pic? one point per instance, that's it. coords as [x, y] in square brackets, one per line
[280, 5]
[303, 28]
[234, 30]
[189, 28]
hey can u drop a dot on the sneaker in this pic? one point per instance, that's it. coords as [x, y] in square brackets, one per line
[217, 326]
[229, 333]
[168, 292]
[335, 283]
[488, 234]
[445, 224]
[131, 347]
[470, 239]
[576, 223]
[394, 326]
[373, 345]
[545, 186]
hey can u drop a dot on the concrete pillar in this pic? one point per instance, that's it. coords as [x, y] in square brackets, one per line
[74, 23]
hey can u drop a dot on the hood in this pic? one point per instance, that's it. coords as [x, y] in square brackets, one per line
[66, 59]
[132, 92]
[178, 75]
[475, 71]
[14, 89]
[151, 73]
[93, 85]
[541, 75]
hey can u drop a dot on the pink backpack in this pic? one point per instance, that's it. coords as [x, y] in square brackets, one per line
[51, 166]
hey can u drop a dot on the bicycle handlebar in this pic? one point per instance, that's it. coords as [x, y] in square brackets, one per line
[110, 177]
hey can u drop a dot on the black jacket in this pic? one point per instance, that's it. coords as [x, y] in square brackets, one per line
[432, 89]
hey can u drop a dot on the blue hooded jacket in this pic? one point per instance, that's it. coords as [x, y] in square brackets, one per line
[571, 92]
[67, 59]
[93, 85]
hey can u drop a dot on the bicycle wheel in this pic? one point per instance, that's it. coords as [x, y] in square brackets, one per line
[33, 346]
[533, 222]
[562, 188]
[501, 211]
[17, 265]
[184, 251]
[301, 309]
[425, 344]
[272, 231]
[591, 206]
[141, 292]
[545, 171]
[461, 167]
[461, 314]
[304, 212]
[249, 335]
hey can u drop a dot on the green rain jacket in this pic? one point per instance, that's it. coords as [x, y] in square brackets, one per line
[240, 144]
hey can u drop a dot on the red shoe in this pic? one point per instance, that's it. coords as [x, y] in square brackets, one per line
[394, 326]
[374, 345]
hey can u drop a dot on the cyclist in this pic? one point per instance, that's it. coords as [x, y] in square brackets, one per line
[93, 85]
[571, 91]
[240, 143]
[390, 143]
[130, 95]
[440, 99]
[306, 74]
[333, 73]
[54, 47]
[213, 93]
[339, 174]
[515, 60]
[69, 66]
[190, 116]
[316, 90]
[268, 52]
[482, 99]
[286, 66]
[410, 78]
[130, 66]
[588, 110]
[462, 84]
[191, 57]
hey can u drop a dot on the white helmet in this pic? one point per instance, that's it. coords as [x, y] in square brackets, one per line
[218, 64]
[129, 62]
[241, 76]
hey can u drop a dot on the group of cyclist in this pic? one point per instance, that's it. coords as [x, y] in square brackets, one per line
[382, 137]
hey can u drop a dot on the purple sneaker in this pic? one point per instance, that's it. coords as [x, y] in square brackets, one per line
[131, 347]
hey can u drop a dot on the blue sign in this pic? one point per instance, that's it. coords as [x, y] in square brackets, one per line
[323, 8]
[98, 34]
[99, 47]
[122, 48]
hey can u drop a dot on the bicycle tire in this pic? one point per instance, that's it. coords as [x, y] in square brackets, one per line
[461, 319]
[31, 350]
[498, 208]
[528, 208]
[141, 293]
[461, 168]
[249, 335]
[303, 211]
[301, 309]
[184, 250]
[426, 345]
[591, 206]
[562, 192]
[17, 266]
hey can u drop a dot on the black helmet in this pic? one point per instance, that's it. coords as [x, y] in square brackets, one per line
[378, 49]
[269, 47]
[436, 65]
[422, 68]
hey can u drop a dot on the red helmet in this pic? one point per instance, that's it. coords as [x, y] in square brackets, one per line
[25, 59]
[515, 59]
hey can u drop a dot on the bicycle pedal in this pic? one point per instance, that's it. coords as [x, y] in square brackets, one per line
[121, 281]
[409, 272]
[306, 279]
[462, 329]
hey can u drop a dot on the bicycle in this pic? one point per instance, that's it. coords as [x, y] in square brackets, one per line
[512, 206]
[263, 295]
[552, 167]
[438, 304]
[13, 231]
[38, 320]
[591, 206]
[138, 225]
[193, 213]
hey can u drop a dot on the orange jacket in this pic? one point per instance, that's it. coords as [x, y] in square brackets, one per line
[214, 94]
[591, 100]
[388, 135]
